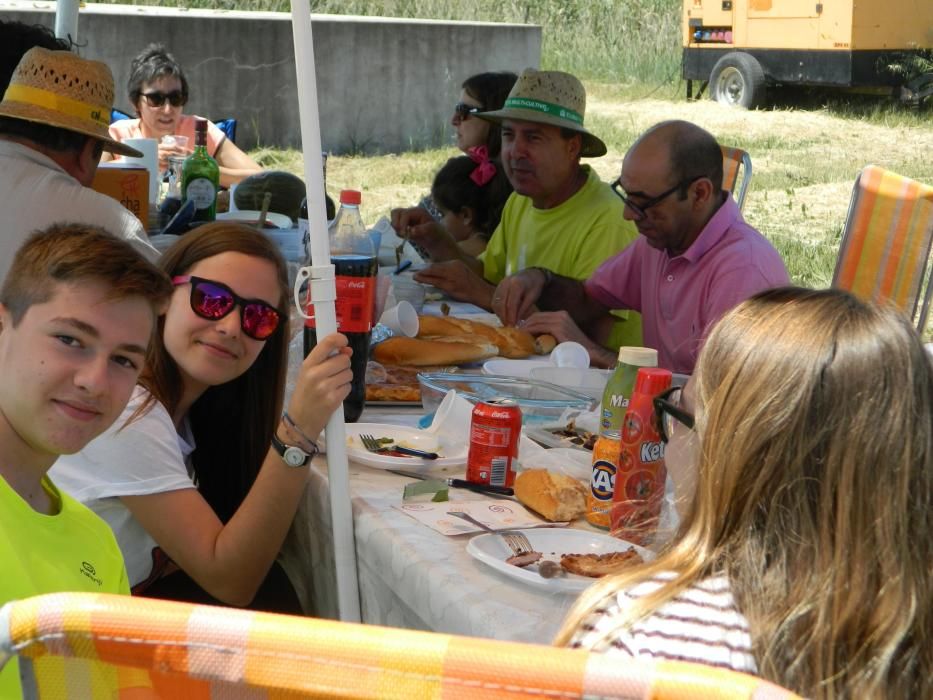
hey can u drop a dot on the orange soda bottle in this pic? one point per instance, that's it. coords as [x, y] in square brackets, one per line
[641, 473]
[611, 412]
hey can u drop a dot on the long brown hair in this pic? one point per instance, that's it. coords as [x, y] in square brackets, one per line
[232, 423]
[815, 480]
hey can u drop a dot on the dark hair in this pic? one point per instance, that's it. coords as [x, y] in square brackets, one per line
[232, 423]
[490, 90]
[453, 190]
[69, 253]
[152, 63]
[694, 153]
[52, 137]
[16, 38]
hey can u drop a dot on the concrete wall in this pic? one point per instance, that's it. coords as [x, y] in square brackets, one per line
[384, 85]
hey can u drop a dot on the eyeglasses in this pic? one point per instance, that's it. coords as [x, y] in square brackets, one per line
[667, 410]
[213, 301]
[465, 111]
[176, 98]
[641, 210]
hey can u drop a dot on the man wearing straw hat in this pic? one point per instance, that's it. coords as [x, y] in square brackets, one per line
[561, 217]
[53, 129]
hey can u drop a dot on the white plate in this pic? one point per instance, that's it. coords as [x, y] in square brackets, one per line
[250, 216]
[450, 455]
[552, 543]
[503, 367]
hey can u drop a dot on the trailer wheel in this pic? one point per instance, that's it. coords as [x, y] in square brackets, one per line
[737, 80]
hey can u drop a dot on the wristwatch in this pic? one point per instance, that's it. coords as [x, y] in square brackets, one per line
[291, 455]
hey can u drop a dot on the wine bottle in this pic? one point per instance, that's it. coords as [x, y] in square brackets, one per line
[200, 177]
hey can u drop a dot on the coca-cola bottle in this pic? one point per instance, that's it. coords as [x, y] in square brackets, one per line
[354, 259]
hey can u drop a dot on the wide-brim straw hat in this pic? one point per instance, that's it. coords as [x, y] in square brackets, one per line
[60, 89]
[549, 97]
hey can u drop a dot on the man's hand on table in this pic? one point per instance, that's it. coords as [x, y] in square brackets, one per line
[563, 328]
[458, 281]
[515, 296]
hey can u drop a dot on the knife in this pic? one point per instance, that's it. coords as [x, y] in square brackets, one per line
[459, 483]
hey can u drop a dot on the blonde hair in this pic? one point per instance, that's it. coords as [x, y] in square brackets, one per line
[815, 475]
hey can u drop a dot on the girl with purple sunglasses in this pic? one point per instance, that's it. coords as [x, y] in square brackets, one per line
[201, 477]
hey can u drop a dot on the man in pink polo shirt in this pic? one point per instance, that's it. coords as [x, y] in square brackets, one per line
[695, 259]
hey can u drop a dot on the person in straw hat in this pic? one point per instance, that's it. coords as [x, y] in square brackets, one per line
[695, 259]
[561, 218]
[53, 129]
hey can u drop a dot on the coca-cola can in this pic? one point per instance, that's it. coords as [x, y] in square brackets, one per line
[494, 432]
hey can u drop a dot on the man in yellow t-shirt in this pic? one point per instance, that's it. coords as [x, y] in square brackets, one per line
[77, 310]
[561, 218]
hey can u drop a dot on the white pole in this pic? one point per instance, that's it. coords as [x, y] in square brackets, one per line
[323, 294]
[66, 19]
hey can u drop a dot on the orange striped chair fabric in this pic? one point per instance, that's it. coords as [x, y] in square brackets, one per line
[81, 645]
[735, 161]
[886, 242]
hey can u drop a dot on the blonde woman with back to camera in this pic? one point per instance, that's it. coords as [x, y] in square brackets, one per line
[805, 551]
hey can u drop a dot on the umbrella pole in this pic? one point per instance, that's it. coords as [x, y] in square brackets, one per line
[66, 19]
[323, 293]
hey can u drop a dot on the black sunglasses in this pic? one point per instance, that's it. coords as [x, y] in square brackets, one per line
[667, 411]
[176, 98]
[641, 210]
[465, 111]
[215, 300]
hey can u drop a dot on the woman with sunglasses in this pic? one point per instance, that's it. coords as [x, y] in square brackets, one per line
[204, 471]
[158, 91]
[804, 553]
[482, 92]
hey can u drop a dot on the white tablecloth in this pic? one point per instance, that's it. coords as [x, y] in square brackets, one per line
[410, 576]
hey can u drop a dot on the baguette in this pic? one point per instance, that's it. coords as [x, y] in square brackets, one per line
[544, 343]
[423, 352]
[555, 497]
[512, 342]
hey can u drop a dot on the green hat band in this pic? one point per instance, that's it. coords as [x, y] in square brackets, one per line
[544, 108]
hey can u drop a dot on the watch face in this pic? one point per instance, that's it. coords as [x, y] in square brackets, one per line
[294, 457]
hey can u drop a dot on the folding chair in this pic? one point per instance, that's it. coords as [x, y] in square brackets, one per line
[886, 242]
[735, 161]
[200, 652]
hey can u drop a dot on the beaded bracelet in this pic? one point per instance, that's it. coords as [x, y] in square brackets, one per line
[290, 422]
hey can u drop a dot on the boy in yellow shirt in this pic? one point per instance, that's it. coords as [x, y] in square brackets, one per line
[77, 311]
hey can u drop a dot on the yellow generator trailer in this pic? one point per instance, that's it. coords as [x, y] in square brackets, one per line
[740, 47]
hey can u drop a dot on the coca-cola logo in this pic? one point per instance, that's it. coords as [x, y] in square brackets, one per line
[356, 285]
[499, 414]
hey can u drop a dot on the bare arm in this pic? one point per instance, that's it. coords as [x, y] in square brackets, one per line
[234, 164]
[230, 561]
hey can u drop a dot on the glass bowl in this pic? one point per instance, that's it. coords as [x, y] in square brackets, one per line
[540, 401]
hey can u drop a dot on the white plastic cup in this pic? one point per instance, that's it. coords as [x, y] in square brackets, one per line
[150, 160]
[570, 354]
[404, 288]
[402, 319]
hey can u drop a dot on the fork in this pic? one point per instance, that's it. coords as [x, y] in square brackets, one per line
[516, 541]
[373, 445]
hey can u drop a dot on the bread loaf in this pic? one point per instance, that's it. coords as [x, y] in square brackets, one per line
[513, 343]
[422, 352]
[544, 343]
[555, 497]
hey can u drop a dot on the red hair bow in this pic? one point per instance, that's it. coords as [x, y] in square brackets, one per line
[485, 170]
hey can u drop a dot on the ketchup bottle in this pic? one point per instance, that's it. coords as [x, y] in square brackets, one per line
[641, 473]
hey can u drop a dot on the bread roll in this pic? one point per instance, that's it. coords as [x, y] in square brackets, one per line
[555, 497]
[429, 326]
[545, 343]
[422, 352]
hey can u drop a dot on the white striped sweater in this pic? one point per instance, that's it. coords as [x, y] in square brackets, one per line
[701, 625]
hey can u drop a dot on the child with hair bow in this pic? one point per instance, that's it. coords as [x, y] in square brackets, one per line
[470, 192]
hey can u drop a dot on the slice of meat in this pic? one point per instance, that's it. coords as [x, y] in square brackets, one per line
[523, 559]
[597, 565]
